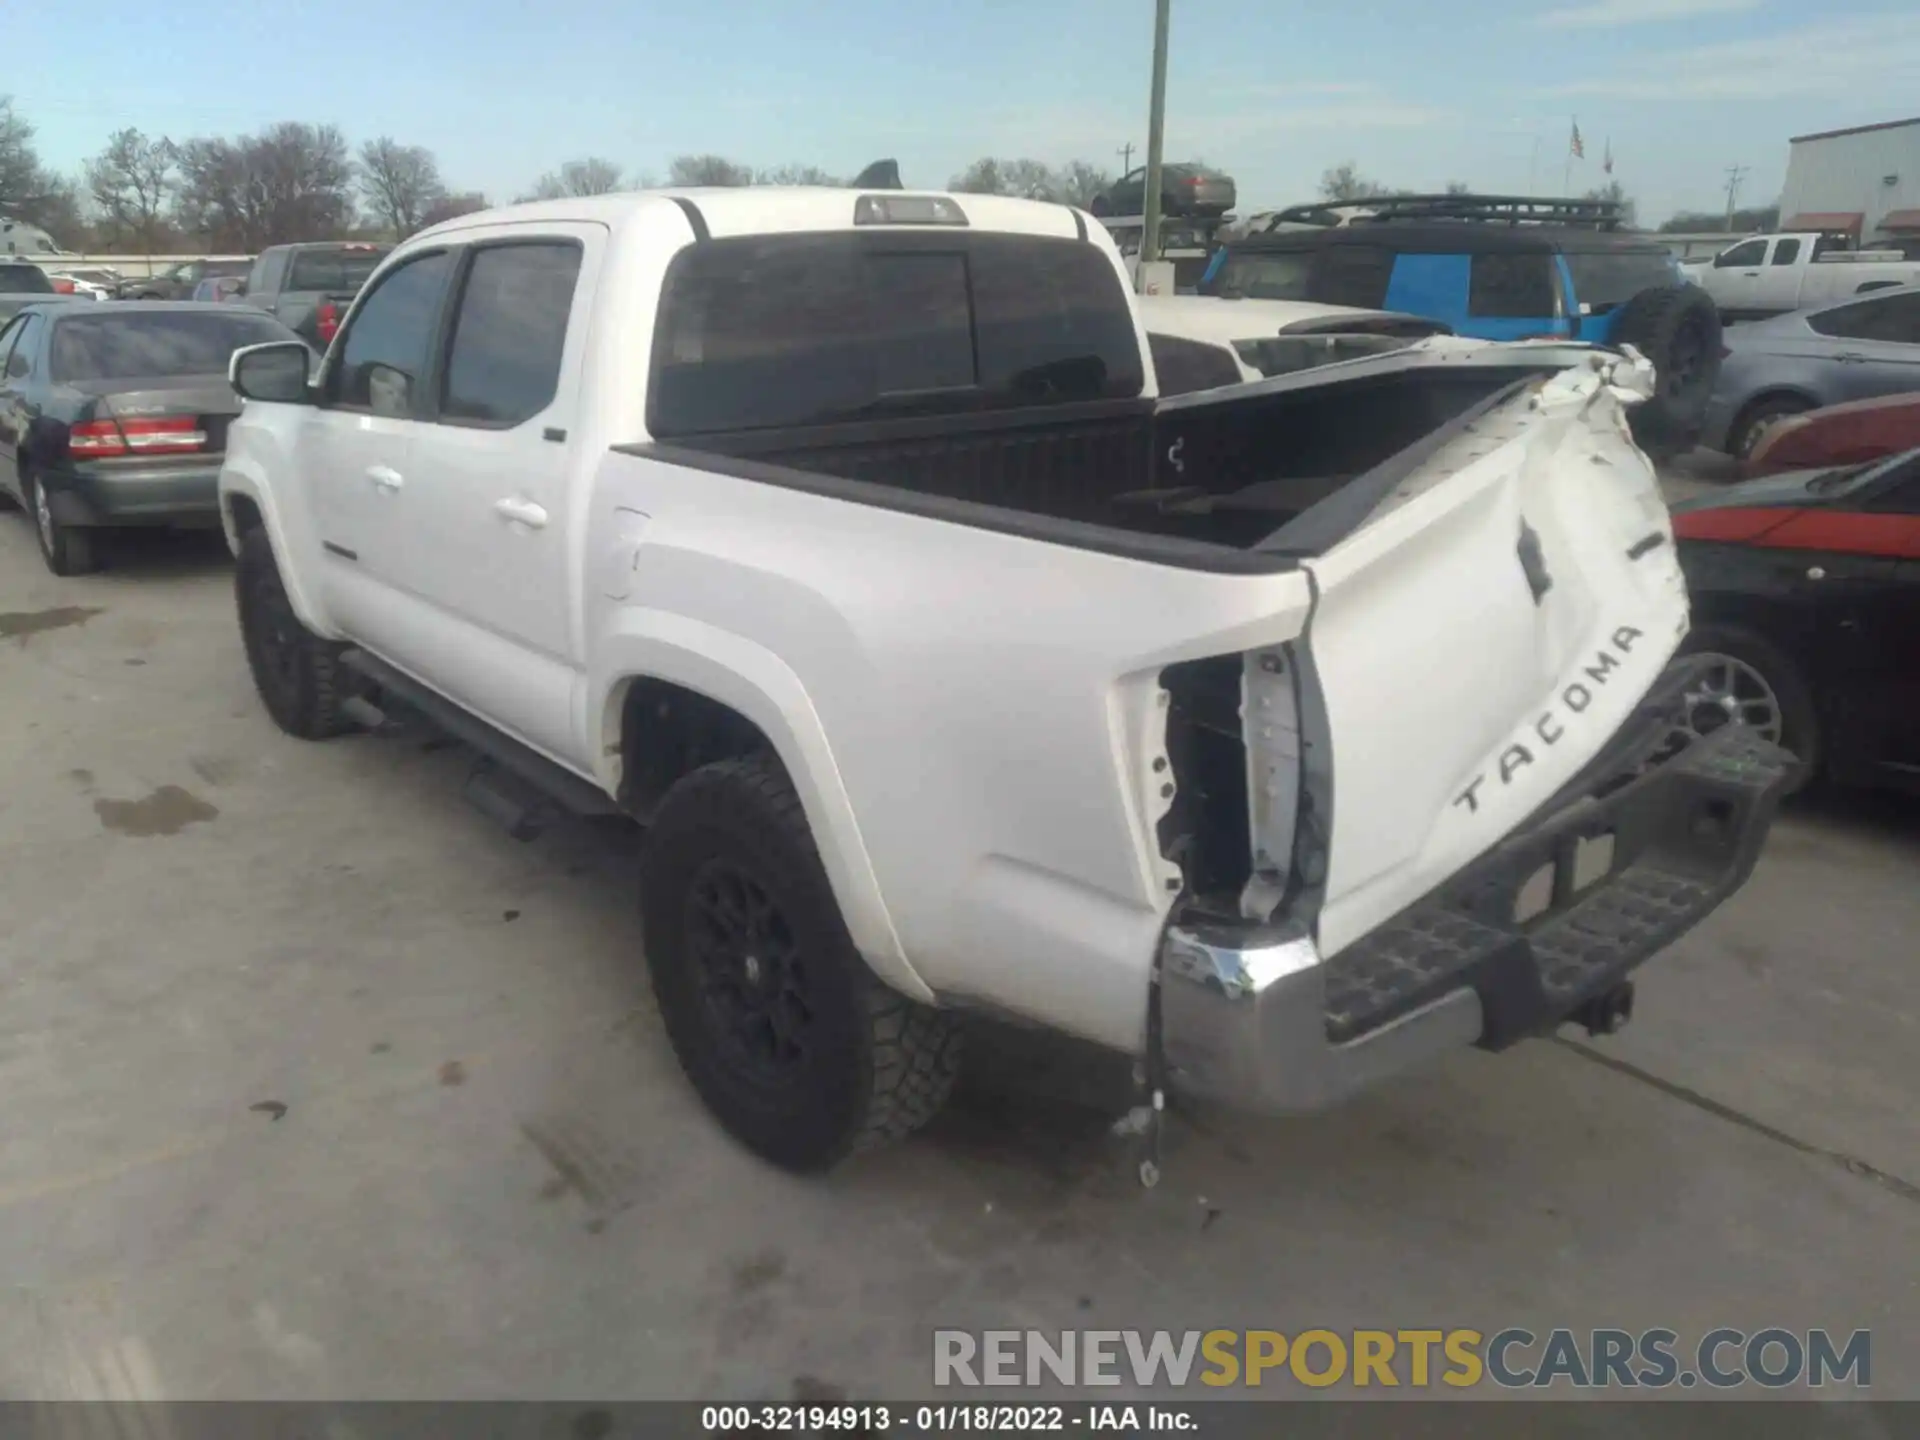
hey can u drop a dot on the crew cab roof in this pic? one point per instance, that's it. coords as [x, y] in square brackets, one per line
[719, 212]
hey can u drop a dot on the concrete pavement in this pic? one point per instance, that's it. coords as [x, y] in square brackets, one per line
[319, 1086]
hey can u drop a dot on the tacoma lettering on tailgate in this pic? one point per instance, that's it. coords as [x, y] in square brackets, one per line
[1550, 727]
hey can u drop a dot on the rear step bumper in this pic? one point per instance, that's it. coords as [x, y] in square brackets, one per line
[1256, 1019]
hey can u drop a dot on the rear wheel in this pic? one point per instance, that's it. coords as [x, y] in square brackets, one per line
[67, 549]
[1757, 419]
[1751, 682]
[792, 1042]
[299, 676]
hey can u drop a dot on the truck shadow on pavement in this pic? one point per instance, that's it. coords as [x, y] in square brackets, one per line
[134, 554]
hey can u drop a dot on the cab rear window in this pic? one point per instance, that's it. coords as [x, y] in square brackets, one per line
[765, 332]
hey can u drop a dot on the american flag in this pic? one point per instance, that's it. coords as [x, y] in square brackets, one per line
[1574, 147]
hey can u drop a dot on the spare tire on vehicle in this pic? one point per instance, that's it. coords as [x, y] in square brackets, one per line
[1677, 327]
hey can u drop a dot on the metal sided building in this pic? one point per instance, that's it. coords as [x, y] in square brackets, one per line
[1864, 181]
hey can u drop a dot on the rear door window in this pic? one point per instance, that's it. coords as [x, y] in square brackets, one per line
[509, 333]
[1894, 319]
[1515, 286]
[1785, 252]
[763, 332]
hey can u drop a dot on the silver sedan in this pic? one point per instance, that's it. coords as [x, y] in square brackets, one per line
[1774, 368]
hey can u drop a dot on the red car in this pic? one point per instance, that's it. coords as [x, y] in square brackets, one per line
[1849, 434]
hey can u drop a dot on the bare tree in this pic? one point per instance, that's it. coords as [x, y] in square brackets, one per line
[982, 177]
[1075, 183]
[1459, 187]
[399, 183]
[707, 170]
[131, 182]
[1079, 181]
[451, 207]
[28, 190]
[1612, 193]
[794, 175]
[592, 176]
[290, 182]
[1345, 182]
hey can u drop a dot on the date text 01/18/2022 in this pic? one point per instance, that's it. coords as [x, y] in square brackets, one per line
[941, 1419]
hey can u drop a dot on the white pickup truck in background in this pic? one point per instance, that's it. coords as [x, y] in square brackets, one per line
[1772, 274]
[1280, 735]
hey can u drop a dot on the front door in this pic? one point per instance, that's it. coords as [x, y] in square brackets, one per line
[486, 523]
[359, 442]
[1736, 282]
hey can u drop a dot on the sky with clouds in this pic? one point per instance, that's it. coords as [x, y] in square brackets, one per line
[1273, 91]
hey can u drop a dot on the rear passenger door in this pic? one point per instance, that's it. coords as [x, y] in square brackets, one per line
[489, 497]
[1881, 350]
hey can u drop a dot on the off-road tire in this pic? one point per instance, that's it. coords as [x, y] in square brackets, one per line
[68, 549]
[1678, 329]
[878, 1066]
[1799, 716]
[298, 675]
[1754, 421]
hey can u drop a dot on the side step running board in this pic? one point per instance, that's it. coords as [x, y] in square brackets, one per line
[511, 783]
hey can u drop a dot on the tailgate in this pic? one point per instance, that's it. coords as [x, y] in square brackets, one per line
[1484, 633]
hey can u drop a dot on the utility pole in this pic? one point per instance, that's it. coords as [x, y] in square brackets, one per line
[1156, 134]
[1125, 152]
[1735, 174]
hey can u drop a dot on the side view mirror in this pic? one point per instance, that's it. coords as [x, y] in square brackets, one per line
[275, 372]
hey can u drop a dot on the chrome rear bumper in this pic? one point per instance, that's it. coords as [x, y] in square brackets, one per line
[1256, 1018]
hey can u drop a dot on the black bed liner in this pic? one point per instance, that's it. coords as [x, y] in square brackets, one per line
[1249, 478]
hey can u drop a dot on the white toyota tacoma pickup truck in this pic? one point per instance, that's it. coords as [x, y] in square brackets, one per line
[1282, 735]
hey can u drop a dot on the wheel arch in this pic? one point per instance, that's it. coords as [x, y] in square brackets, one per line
[1761, 397]
[726, 696]
[246, 507]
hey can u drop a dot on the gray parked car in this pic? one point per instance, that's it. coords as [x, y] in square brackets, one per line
[1855, 350]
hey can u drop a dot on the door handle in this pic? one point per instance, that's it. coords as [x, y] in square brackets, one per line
[384, 477]
[521, 512]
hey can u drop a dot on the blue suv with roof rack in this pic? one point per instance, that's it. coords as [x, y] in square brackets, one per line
[1498, 267]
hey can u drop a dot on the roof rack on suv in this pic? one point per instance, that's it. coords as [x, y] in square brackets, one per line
[1482, 209]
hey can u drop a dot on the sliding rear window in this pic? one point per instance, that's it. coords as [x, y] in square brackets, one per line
[765, 332]
[345, 269]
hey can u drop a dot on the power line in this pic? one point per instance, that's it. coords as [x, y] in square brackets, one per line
[1125, 152]
[1735, 174]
